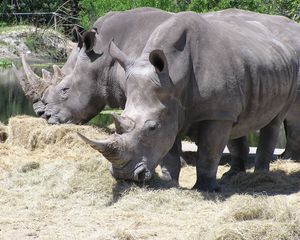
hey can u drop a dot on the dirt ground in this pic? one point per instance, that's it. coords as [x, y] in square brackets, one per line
[54, 186]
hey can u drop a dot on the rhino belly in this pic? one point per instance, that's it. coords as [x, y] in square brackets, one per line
[260, 114]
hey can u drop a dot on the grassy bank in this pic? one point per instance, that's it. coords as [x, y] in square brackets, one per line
[5, 63]
[37, 43]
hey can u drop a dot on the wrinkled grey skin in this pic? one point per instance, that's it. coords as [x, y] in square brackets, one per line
[292, 131]
[288, 32]
[193, 79]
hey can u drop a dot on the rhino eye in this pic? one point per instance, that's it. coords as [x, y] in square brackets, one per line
[151, 126]
[64, 93]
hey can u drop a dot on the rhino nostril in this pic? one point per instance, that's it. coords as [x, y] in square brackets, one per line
[141, 175]
[41, 114]
[47, 115]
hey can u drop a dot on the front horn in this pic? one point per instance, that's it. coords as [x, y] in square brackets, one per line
[26, 86]
[37, 83]
[110, 148]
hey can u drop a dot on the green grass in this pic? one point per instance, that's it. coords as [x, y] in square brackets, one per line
[4, 63]
[104, 118]
[3, 43]
[5, 29]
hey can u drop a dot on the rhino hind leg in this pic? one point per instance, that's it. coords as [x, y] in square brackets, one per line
[239, 150]
[292, 132]
[267, 142]
[210, 148]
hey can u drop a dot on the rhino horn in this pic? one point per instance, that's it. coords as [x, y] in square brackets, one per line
[27, 88]
[47, 76]
[58, 75]
[120, 56]
[110, 148]
[123, 124]
[38, 85]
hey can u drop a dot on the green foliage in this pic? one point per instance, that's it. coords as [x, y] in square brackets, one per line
[288, 8]
[67, 10]
[92, 10]
[4, 63]
[104, 118]
[3, 24]
[36, 41]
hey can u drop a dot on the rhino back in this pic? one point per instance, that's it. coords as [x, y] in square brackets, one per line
[282, 27]
[222, 71]
[131, 29]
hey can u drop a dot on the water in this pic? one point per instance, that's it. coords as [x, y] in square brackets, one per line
[12, 98]
[13, 102]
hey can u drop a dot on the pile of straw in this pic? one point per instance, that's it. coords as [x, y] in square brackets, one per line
[54, 186]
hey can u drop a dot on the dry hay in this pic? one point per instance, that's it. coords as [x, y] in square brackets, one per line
[53, 186]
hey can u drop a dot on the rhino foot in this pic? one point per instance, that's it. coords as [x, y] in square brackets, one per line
[166, 176]
[231, 173]
[207, 184]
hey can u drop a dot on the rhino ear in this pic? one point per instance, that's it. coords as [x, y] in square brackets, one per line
[77, 36]
[117, 54]
[89, 40]
[158, 59]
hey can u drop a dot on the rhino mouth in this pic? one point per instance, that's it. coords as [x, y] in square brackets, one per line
[39, 108]
[141, 173]
[56, 120]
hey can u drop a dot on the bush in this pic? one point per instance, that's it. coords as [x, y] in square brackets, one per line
[288, 8]
[92, 10]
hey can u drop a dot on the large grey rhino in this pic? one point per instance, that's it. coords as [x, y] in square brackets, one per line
[95, 90]
[210, 79]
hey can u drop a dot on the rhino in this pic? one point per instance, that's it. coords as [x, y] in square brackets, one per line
[95, 75]
[71, 109]
[211, 80]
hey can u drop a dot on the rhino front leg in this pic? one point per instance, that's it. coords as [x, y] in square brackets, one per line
[239, 150]
[171, 163]
[267, 142]
[213, 137]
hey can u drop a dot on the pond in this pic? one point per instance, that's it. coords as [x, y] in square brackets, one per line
[12, 98]
[13, 102]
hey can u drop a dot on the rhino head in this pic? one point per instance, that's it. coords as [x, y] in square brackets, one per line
[147, 128]
[35, 87]
[70, 95]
